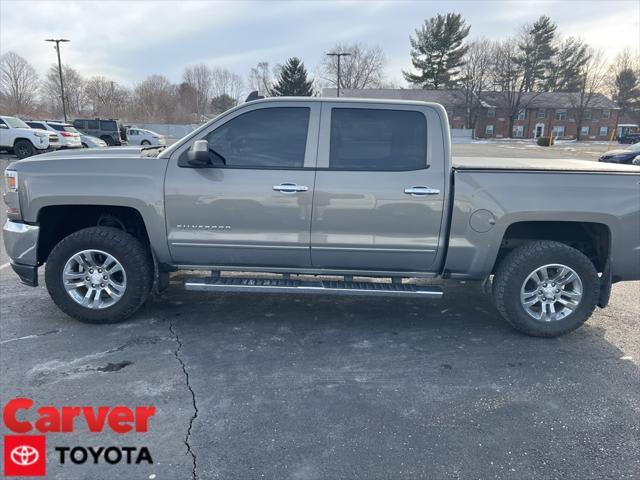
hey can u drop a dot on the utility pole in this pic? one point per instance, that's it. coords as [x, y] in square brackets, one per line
[57, 47]
[339, 55]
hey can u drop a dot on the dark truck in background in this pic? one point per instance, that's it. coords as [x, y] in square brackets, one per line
[330, 196]
[110, 130]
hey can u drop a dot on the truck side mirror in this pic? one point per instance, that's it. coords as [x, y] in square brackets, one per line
[198, 154]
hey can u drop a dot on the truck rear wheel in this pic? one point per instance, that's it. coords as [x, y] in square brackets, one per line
[546, 288]
[24, 149]
[99, 275]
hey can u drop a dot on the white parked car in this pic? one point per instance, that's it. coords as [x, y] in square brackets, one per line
[17, 137]
[69, 136]
[89, 141]
[139, 136]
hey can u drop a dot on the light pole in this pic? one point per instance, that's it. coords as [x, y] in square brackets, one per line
[339, 55]
[57, 47]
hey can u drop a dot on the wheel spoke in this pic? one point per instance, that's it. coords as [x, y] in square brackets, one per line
[549, 301]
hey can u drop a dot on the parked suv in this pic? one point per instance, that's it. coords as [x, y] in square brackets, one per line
[18, 138]
[69, 136]
[108, 130]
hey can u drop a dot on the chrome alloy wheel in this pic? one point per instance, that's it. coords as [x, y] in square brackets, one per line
[551, 292]
[94, 279]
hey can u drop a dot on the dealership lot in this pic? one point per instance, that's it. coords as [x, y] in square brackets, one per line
[323, 387]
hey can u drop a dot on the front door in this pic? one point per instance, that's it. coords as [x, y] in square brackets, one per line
[539, 132]
[256, 209]
[380, 188]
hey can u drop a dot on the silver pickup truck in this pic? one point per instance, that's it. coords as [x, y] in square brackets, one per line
[330, 196]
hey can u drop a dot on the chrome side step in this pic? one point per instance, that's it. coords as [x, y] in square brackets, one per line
[269, 285]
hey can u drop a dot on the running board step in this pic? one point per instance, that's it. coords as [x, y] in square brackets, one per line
[268, 285]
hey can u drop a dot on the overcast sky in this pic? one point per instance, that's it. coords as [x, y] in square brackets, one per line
[128, 40]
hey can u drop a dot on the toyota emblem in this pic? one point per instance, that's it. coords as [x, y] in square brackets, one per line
[24, 455]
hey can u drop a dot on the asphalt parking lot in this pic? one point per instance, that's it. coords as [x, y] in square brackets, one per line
[315, 387]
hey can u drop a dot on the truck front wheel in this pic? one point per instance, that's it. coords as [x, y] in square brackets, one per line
[99, 275]
[546, 288]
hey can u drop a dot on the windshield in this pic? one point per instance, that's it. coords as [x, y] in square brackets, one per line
[63, 128]
[14, 122]
[635, 147]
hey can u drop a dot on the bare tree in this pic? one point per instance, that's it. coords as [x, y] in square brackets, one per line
[364, 68]
[260, 79]
[226, 83]
[105, 97]
[592, 80]
[155, 100]
[475, 77]
[200, 79]
[73, 89]
[510, 80]
[18, 84]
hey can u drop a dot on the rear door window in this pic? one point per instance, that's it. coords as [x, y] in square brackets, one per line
[377, 139]
[93, 125]
[108, 125]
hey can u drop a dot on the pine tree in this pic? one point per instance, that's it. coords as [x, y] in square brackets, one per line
[536, 49]
[566, 66]
[292, 80]
[437, 51]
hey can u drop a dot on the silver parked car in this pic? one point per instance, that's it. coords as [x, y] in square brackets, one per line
[89, 141]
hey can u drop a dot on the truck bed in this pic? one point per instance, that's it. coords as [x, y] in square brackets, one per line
[540, 164]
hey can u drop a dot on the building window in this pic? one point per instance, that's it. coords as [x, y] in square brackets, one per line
[541, 113]
[518, 131]
[586, 115]
[491, 112]
[606, 113]
[604, 131]
[558, 130]
[522, 115]
[488, 130]
[584, 131]
[561, 114]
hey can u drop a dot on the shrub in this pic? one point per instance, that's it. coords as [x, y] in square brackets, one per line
[545, 141]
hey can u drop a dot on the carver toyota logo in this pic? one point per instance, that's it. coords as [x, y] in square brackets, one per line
[25, 454]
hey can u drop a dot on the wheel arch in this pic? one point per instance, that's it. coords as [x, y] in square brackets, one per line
[591, 238]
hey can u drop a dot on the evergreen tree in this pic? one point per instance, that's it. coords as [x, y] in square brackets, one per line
[566, 66]
[292, 80]
[627, 92]
[437, 51]
[536, 49]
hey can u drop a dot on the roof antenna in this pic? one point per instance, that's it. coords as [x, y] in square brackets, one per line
[255, 95]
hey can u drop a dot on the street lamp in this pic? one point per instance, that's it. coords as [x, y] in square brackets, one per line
[57, 47]
[339, 55]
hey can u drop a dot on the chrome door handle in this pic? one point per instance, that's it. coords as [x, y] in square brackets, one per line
[418, 190]
[290, 188]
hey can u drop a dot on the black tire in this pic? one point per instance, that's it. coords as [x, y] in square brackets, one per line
[514, 269]
[145, 142]
[129, 251]
[108, 140]
[23, 149]
[84, 145]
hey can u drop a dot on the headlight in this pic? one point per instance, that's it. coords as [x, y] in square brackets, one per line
[11, 180]
[40, 134]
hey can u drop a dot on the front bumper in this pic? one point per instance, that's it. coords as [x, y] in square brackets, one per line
[21, 244]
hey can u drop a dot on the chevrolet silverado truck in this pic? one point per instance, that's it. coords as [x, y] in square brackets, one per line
[329, 196]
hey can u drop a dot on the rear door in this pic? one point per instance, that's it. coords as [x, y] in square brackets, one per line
[256, 209]
[378, 201]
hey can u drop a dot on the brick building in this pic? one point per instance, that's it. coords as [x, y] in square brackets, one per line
[541, 113]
